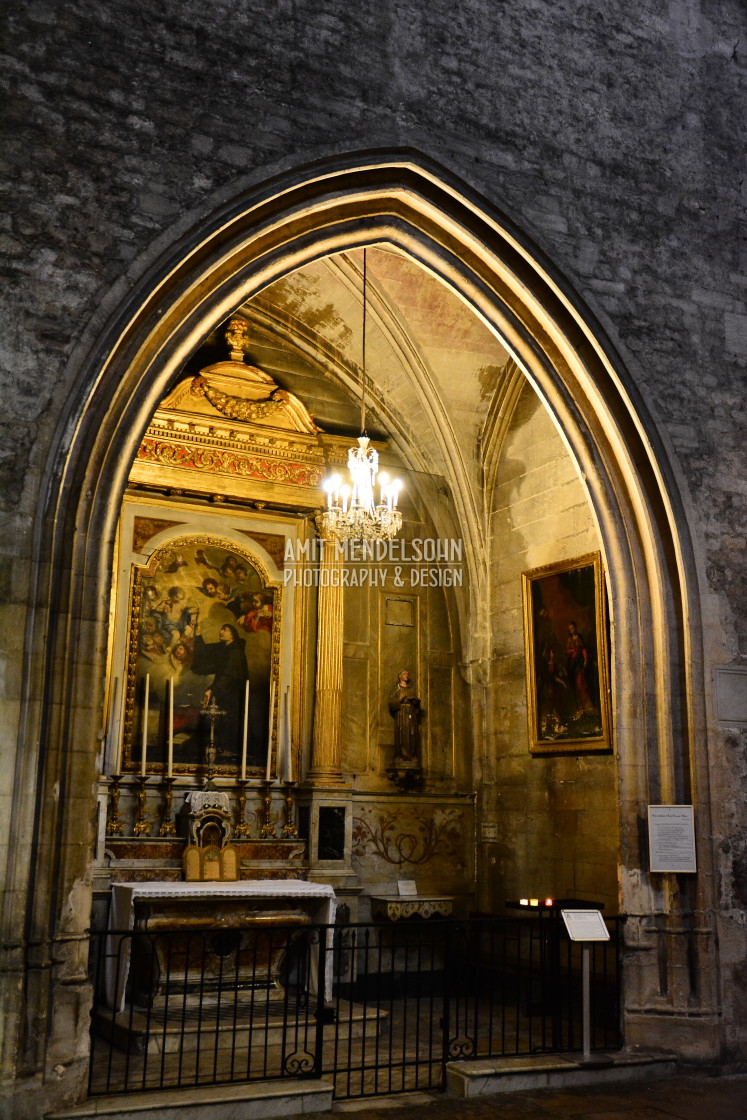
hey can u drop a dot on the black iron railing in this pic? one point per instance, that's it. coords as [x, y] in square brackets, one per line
[378, 1008]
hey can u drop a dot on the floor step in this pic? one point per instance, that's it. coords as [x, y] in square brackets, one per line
[510, 1075]
[132, 1030]
[255, 1101]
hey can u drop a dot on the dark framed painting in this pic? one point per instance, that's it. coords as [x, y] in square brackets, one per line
[203, 659]
[565, 633]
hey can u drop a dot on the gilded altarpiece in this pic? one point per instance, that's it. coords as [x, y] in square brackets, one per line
[200, 604]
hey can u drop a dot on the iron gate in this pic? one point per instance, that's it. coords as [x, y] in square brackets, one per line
[377, 1008]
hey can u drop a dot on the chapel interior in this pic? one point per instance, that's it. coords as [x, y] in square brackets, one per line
[284, 823]
[223, 480]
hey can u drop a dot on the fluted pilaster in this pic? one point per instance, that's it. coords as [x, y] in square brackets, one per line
[327, 743]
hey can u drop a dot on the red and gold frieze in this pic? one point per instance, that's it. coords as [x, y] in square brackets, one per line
[188, 455]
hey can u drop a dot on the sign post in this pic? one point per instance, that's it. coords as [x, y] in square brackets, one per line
[586, 926]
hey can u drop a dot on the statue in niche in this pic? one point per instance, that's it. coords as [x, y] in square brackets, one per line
[404, 706]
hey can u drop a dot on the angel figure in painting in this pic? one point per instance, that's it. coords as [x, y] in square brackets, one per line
[259, 616]
[404, 706]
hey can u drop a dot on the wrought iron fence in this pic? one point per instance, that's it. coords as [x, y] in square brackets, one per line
[378, 1007]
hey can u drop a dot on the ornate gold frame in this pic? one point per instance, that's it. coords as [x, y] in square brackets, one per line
[139, 573]
[567, 713]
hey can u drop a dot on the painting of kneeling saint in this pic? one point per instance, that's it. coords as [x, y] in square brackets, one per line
[203, 626]
[566, 649]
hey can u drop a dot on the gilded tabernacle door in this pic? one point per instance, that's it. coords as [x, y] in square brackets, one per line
[203, 660]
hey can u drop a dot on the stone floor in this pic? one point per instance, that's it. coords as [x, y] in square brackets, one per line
[676, 1098]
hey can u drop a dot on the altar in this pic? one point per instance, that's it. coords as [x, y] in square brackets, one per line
[186, 909]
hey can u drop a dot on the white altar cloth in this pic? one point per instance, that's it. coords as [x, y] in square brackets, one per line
[122, 916]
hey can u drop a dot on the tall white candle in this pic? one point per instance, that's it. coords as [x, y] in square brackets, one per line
[246, 732]
[113, 766]
[145, 724]
[269, 733]
[170, 767]
[286, 722]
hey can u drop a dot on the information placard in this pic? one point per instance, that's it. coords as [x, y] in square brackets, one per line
[407, 888]
[671, 838]
[585, 925]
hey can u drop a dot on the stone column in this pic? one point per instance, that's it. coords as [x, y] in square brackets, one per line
[327, 744]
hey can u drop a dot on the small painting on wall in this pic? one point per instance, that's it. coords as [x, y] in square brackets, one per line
[565, 631]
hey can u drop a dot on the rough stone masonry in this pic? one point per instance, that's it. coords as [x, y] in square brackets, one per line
[612, 132]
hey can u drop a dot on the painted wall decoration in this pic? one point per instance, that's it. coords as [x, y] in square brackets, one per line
[204, 619]
[408, 837]
[565, 633]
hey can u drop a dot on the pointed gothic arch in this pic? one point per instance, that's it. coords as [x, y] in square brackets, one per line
[554, 340]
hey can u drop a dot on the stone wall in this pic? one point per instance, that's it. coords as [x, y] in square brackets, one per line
[556, 815]
[612, 135]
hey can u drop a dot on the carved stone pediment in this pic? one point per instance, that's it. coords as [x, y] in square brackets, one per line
[232, 430]
[239, 392]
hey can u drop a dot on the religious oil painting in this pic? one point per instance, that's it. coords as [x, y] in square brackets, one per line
[203, 655]
[566, 652]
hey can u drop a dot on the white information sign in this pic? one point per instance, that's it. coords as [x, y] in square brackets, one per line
[671, 838]
[585, 925]
[408, 888]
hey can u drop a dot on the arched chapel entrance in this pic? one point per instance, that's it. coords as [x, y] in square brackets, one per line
[539, 457]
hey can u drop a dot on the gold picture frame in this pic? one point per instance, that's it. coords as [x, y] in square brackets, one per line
[566, 639]
[204, 618]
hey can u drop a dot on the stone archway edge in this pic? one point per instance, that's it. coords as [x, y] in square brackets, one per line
[555, 340]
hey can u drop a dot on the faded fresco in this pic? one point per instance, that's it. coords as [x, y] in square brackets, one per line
[428, 843]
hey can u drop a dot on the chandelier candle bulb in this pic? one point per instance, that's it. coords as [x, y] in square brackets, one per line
[145, 724]
[170, 762]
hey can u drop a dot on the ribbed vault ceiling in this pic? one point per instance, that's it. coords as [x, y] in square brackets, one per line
[422, 343]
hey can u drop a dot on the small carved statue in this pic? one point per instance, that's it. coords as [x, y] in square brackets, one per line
[404, 705]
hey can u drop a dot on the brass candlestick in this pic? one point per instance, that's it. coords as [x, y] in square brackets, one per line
[268, 828]
[114, 826]
[212, 712]
[168, 828]
[242, 828]
[141, 826]
[289, 829]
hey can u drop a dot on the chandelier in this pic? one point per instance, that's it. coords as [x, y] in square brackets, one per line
[352, 512]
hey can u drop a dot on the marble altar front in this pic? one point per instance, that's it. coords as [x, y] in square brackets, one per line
[196, 906]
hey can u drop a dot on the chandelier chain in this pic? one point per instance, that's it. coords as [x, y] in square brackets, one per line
[363, 347]
[353, 512]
